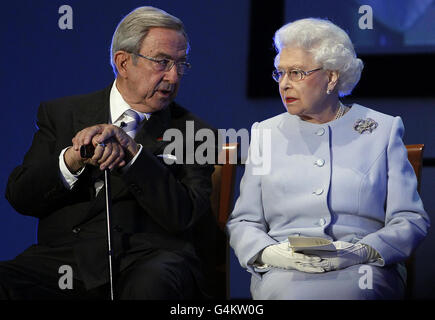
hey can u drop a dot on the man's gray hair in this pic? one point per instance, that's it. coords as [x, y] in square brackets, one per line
[131, 31]
[329, 45]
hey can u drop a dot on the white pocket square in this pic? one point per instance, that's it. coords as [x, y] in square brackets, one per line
[167, 156]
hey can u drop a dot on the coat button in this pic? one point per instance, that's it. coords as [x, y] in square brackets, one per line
[319, 162]
[320, 132]
[117, 228]
[76, 230]
[322, 221]
[318, 191]
[135, 188]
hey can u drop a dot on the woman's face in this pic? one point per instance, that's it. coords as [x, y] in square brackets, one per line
[306, 98]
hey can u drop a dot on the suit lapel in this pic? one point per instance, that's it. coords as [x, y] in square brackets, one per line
[151, 133]
[95, 112]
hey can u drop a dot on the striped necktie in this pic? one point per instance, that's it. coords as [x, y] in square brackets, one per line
[130, 122]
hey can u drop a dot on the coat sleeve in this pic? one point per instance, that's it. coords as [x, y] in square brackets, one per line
[406, 222]
[247, 226]
[35, 188]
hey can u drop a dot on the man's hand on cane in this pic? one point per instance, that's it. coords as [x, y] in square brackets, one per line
[125, 141]
[113, 148]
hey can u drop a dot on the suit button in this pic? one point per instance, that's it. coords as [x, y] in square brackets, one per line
[76, 230]
[135, 188]
[320, 132]
[117, 228]
[318, 192]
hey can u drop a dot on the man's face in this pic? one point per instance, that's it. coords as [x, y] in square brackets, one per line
[149, 89]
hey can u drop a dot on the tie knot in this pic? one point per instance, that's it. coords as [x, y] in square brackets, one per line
[132, 120]
[133, 115]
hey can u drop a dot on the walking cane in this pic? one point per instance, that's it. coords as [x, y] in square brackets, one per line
[87, 152]
[108, 220]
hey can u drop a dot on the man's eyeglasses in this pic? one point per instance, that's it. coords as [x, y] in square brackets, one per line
[294, 74]
[164, 65]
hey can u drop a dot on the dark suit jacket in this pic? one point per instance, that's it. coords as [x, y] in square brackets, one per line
[154, 206]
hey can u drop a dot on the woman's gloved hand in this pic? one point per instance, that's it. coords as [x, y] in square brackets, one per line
[347, 254]
[282, 256]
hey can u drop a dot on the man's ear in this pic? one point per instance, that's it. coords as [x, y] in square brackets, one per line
[333, 80]
[121, 59]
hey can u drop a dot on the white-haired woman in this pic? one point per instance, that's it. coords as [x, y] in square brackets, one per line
[324, 169]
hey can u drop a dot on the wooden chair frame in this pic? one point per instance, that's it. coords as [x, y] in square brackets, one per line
[222, 199]
[415, 157]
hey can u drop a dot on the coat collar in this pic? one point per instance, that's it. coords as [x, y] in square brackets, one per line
[94, 111]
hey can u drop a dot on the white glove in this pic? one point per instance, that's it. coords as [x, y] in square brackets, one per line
[347, 254]
[282, 256]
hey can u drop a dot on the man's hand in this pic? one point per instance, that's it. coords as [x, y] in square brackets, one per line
[113, 148]
[106, 155]
[103, 132]
[282, 256]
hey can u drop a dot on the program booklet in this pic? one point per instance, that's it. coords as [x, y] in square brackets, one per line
[310, 244]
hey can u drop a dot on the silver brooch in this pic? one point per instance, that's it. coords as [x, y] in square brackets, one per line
[365, 125]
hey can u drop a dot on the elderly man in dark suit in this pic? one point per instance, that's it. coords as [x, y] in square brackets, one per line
[156, 207]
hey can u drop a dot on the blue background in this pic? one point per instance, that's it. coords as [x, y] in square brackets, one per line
[42, 62]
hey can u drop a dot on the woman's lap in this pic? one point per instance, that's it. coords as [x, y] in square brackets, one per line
[353, 283]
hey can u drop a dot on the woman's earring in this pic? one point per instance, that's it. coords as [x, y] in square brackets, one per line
[328, 91]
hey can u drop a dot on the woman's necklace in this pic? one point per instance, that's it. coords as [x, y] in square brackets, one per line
[340, 112]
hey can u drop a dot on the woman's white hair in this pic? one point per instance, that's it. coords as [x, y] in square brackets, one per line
[329, 45]
[131, 31]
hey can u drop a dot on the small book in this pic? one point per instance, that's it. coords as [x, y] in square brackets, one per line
[310, 244]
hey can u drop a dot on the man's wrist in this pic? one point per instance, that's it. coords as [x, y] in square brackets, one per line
[129, 162]
[73, 166]
[68, 178]
[131, 152]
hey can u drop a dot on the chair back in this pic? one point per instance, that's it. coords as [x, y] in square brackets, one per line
[415, 157]
[222, 197]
